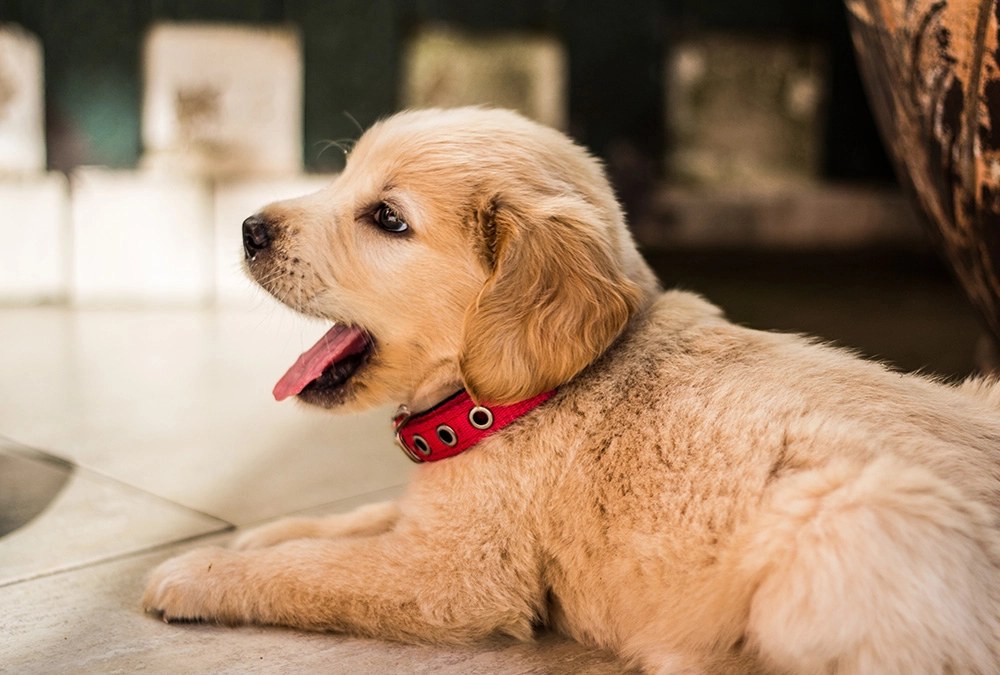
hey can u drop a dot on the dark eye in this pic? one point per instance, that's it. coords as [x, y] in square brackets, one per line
[389, 220]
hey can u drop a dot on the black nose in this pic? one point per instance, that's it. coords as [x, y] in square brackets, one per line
[256, 236]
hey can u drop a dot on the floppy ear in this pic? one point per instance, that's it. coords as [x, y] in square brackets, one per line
[556, 299]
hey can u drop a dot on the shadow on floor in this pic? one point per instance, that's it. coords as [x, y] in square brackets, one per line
[28, 484]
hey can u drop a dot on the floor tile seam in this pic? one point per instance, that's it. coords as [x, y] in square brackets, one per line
[229, 527]
[117, 557]
[98, 475]
[35, 452]
[92, 472]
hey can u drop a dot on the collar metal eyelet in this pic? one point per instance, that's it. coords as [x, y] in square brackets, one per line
[481, 418]
[447, 435]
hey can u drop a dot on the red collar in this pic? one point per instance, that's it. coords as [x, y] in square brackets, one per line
[454, 425]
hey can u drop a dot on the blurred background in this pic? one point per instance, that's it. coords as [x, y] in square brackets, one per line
[135, 136]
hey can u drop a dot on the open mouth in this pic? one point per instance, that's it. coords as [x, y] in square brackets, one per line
[322, 371]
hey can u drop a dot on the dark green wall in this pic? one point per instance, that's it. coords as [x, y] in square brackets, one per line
[352, 53]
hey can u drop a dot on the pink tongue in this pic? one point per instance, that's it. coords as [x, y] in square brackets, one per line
[339, 341]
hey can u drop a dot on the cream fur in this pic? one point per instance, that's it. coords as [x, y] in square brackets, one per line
[698, 496]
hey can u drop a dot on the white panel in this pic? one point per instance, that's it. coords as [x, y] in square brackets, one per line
[223, 100]
[22, 131]
[35, 233]
[140, 238]
[234, 202]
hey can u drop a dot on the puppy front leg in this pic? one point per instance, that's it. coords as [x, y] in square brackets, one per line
[388, 586]
[365, 521]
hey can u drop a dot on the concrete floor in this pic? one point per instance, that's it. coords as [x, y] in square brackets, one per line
[127, 437]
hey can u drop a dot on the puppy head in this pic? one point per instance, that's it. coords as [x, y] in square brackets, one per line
[466, 247]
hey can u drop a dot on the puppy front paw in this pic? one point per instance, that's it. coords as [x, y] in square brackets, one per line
[277, 532]
[198, 586]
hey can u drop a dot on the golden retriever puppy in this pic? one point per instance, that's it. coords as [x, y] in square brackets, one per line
[635, 471]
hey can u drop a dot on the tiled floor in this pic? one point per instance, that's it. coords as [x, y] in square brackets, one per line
[127, 437]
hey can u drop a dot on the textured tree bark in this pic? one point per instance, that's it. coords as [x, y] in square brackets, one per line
[932, 71]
